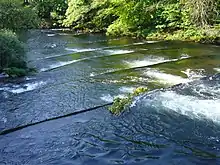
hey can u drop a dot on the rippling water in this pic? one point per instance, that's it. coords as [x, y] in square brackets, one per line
[177, 125]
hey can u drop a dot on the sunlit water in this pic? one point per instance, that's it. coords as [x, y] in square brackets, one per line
[169, 126]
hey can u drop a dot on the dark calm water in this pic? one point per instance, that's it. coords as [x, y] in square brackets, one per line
[167, 126]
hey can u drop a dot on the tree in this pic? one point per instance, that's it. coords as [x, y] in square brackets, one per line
[16, 17]
[12, 54]
[94, 14]
[202, 12]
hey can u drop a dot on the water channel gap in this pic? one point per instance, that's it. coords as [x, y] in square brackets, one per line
[7, 131]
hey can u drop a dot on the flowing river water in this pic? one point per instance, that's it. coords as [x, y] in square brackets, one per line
[166, 126]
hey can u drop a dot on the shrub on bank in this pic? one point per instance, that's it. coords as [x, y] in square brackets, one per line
[14, 16]
[203, 35]
[193, 20]
[51, 12]
[12, 54]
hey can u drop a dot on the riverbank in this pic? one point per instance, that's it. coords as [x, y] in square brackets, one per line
[209, 35]
[194, 20]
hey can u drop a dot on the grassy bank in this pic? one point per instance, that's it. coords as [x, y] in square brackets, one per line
[210, 35]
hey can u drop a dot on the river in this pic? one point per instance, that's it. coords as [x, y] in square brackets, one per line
[169, 125]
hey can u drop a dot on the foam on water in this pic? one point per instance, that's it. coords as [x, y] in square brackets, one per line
[109, 98]
[165, 78]
[151, 42]
[3, 75]
[184, 56]
[139, 43]
[4, 119]
[112, 52]
[217, 69]
[82, 50]
[53, 56]
[148, 61]
[203, 90]
[51, 35]
[50, 46]
[63, 34]
[151, 60]
[59, 64]
[29, 78]
[127, 89]
[109, 52]
[188, 105]
[93, 74]
[194, 74]
[61, 29]
[16, 89]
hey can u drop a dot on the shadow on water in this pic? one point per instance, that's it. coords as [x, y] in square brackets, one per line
[177, 125]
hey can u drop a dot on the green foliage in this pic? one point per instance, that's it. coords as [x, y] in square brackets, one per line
[14, 16]
[120, 104]
[95, 14]
[118, 28]
[15, 72]
[204, 35]
[52, 11]
[133, 17]
[77, 13]
[140, 90]
[202, 12]
[12, 53]
[146, 18]
[170, 17]
[103, 18]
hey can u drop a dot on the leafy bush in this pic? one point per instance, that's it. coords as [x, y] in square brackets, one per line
[118, 28]
[53, 11]
[95, 14]
[12, 53]
[15, 72]
[169, 18]
[120, 104]
[77, 13]
[133, 16]
[166, 19]
[46, 7]
[204, 35]
[202, 12]
[14, 16]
